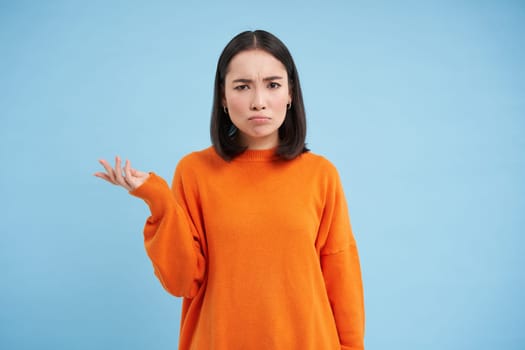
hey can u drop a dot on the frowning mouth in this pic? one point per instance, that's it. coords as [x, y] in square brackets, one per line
[259, 118]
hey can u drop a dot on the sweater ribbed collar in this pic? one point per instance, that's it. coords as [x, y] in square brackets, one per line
[252, 155]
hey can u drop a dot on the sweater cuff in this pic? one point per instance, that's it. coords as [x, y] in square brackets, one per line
[156, 193]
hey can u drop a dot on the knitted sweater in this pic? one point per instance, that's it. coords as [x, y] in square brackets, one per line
[260, 248]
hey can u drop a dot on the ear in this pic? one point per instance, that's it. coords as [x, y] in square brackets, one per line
[223, 97]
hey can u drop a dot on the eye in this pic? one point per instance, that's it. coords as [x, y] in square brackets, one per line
[241, 87]
[274, 85]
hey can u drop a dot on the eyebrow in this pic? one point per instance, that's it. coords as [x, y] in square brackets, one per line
[271, 78]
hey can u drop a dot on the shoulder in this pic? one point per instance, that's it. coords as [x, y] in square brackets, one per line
[204, 155]
[322, 171]
[199, 161]
[318, 163]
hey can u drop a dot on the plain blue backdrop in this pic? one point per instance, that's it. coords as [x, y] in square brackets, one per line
[420, 105]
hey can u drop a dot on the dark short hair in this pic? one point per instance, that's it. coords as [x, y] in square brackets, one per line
[292, 133]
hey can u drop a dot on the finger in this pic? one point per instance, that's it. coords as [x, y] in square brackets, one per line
[109, 170]
[118, 172]
[127, 171]
[126, 179]
[104, 177]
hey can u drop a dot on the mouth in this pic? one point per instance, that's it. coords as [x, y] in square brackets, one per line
[259, 118]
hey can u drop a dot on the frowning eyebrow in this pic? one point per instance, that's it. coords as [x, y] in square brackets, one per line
[243, 80]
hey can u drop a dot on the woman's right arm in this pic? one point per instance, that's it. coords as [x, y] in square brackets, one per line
[171, 240]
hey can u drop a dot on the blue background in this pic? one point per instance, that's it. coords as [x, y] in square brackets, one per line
[420, 105]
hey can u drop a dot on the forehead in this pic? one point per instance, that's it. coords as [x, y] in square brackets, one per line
[255, 63]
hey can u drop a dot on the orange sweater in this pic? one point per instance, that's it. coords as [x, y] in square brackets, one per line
[261, 249]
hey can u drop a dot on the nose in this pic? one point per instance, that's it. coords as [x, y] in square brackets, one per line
[257, 101]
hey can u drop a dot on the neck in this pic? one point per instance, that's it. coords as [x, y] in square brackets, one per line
[261, 143]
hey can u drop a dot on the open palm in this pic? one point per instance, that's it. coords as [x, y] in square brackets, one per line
[127, 177]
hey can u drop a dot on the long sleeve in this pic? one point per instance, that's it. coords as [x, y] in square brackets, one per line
[344, 287]
[171, 239]
[341, 269]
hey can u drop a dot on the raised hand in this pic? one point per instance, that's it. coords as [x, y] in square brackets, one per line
[130, 180]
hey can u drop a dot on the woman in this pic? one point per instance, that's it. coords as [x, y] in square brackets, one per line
[254, 233]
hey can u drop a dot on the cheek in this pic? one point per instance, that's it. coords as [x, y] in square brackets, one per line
[280, 101]
[235, 103]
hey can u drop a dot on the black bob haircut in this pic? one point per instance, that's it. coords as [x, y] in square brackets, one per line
[292, 133]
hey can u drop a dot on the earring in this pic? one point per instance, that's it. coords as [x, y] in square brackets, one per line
[225, 110]
[288, 106]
